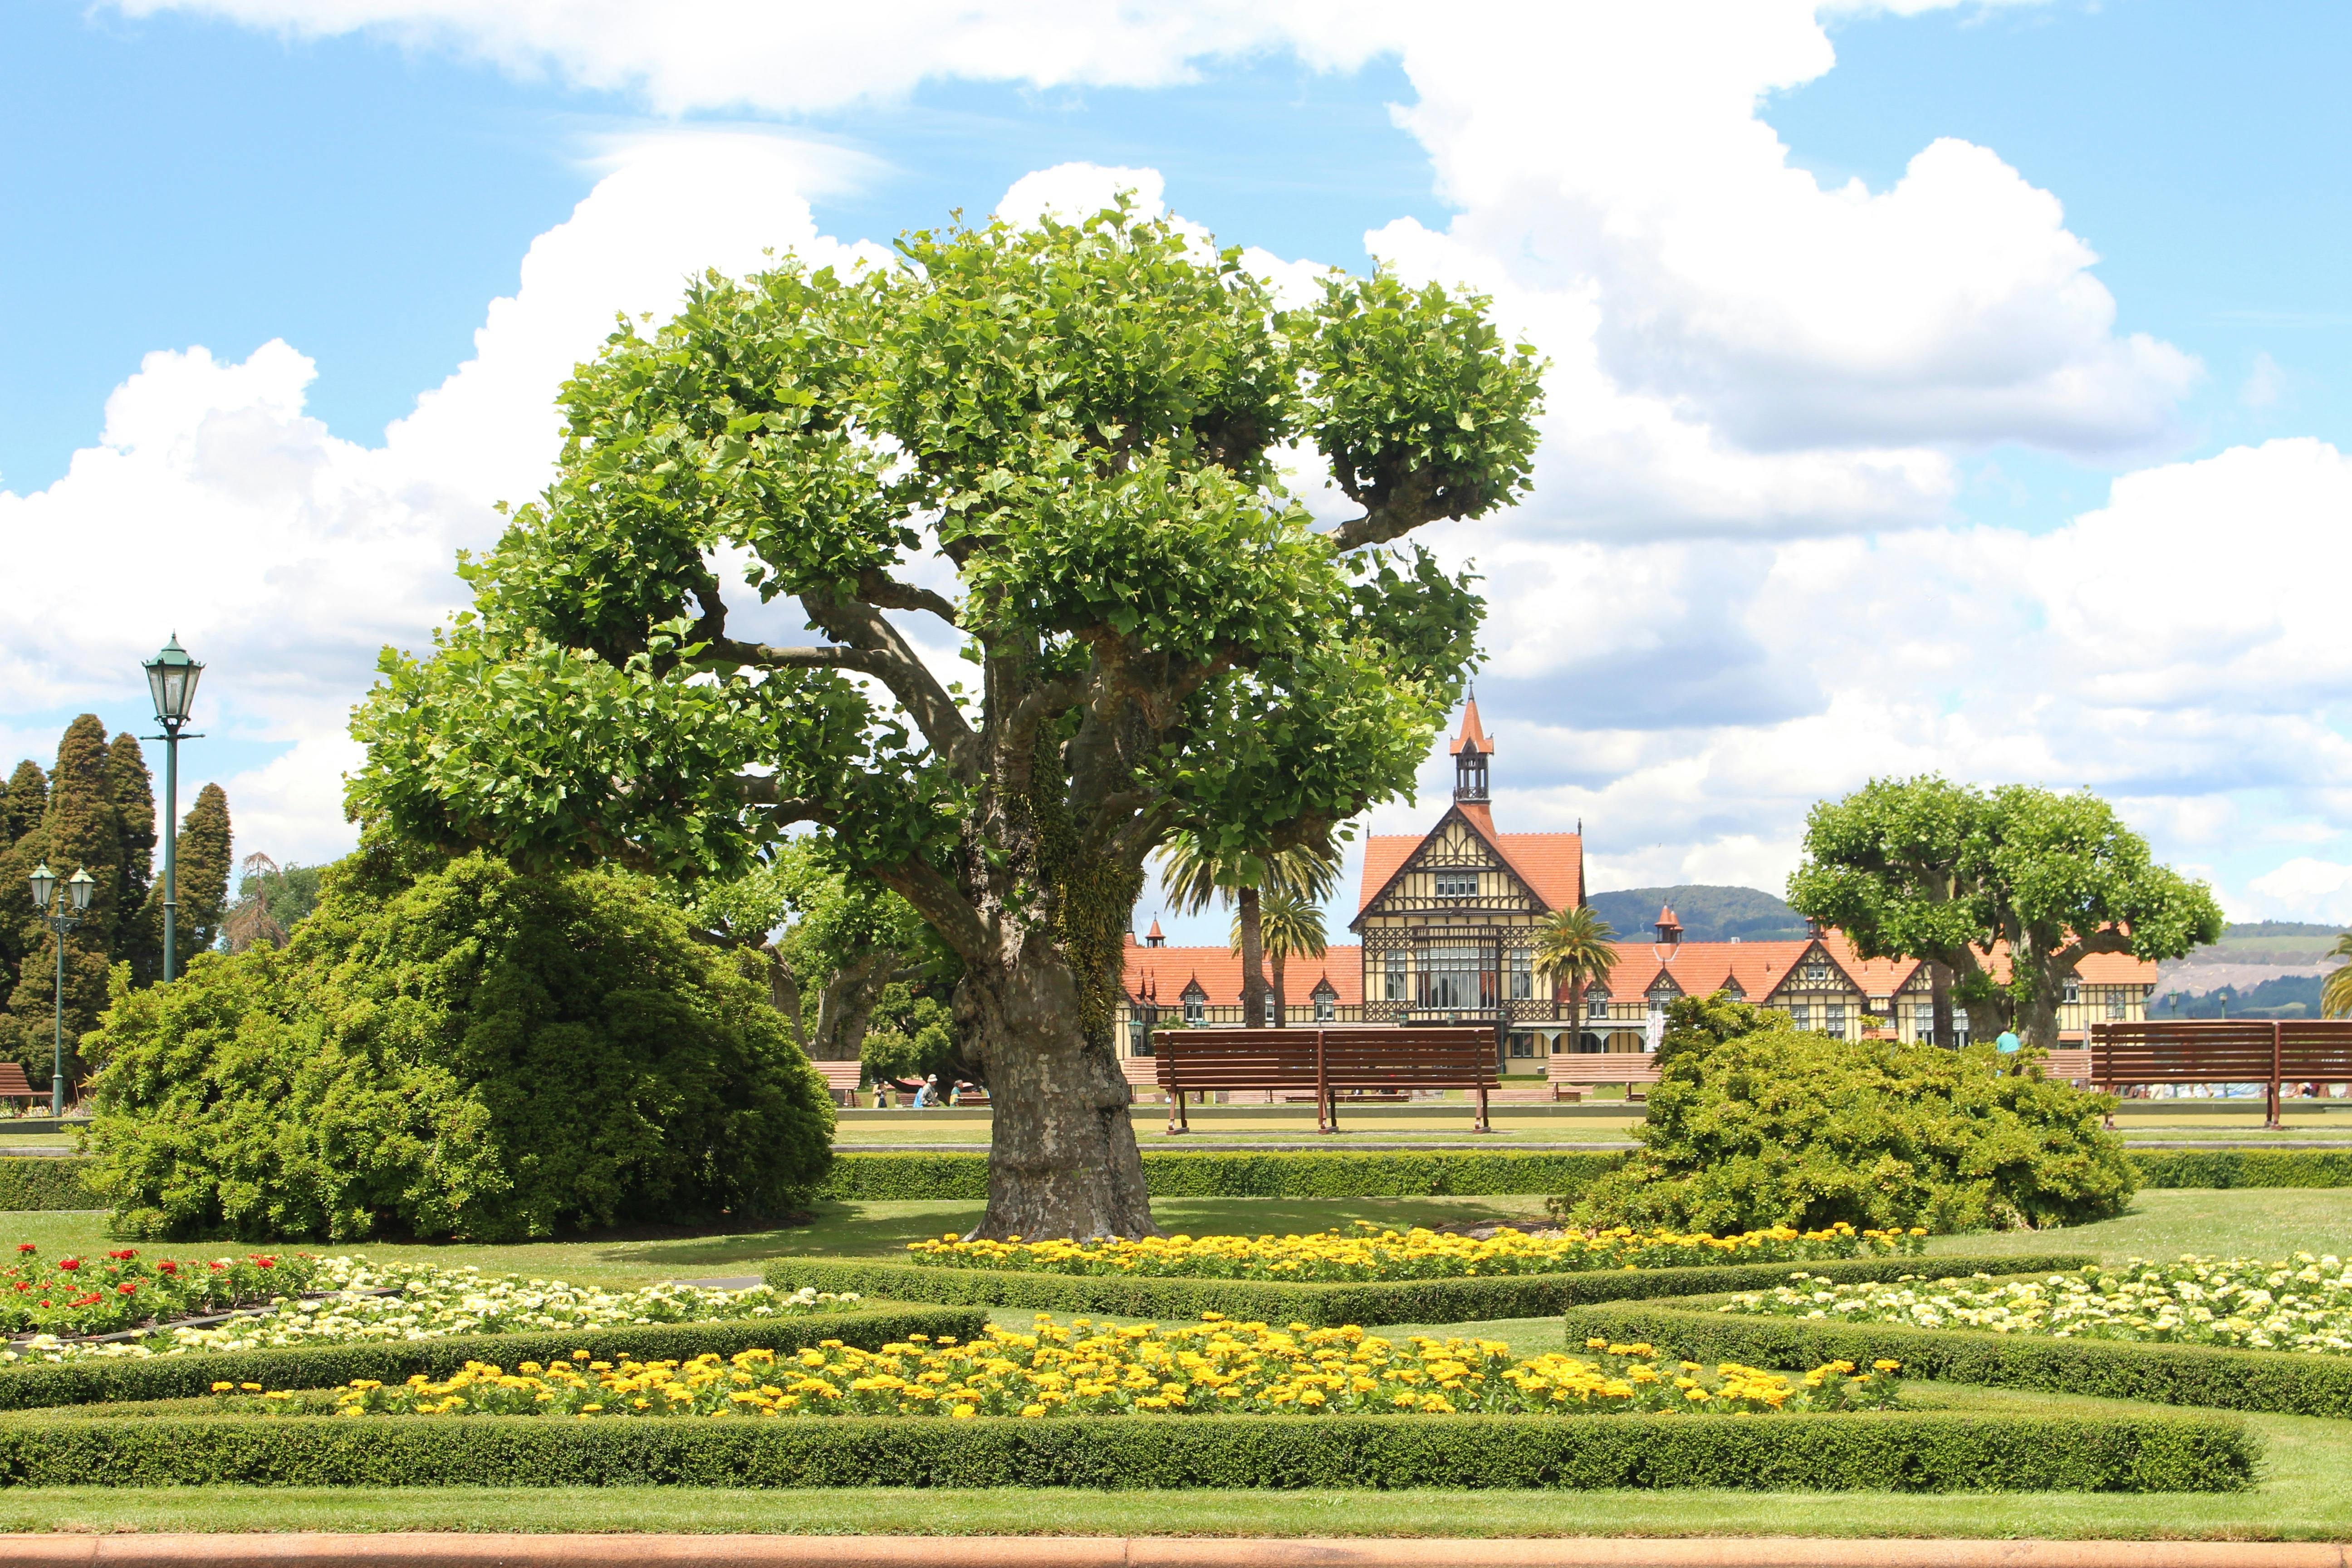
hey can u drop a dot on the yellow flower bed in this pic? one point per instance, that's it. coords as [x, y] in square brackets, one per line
[1371, 1255]
[1089, 1369]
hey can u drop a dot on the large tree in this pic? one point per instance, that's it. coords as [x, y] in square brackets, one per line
[1057, 451]
[1951, 873]
[81, 829]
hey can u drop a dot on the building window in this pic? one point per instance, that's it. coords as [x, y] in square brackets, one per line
[1596, 1004]
[1457, 884]
[1523, 975]
[1326, 1007]
[1400, 989]
[1269, 1009]
[1451, 978]
[1196, 1009]
[1817, 973]
[1800, 1016]
[1523, 1044]
[1139, 1038]
[2074, 989]
[1834, 1019]
[2115, 1005]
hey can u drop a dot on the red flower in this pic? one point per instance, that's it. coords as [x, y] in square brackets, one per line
[217, 1263]
[126, 1254]
[68, 1263]
[26, 1247]
[126, 1287]
[167, 1267]
[261, 1262]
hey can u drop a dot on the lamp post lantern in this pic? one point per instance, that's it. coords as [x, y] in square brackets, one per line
[172, 681]
[62, 914]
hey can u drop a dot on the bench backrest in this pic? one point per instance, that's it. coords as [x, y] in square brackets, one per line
[1603, 1066]
[1356, 1058]
[2070, 1066]
[840, 1075]
[14, 1084]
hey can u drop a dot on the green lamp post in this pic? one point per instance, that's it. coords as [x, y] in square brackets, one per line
[172, 681]
[62, 914]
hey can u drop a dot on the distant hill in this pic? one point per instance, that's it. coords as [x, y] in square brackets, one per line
[2291, 996]
[2278, 944]
[1708, 913]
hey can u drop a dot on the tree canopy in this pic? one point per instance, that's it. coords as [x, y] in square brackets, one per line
[1928, 868]
[1058, 452]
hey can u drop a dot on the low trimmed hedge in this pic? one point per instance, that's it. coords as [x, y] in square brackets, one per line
[1328, 1305]
[1274, 1173]
[330, 1366]
[2244, 1167]
[2276, 1381]
[46, 1181]
[1895, 1451]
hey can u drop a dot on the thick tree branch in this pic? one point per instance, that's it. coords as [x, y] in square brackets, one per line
[1414, 501]
[864, 627]
[885, 591]
[941, 903]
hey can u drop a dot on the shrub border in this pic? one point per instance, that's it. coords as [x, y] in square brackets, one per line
[1321, 1305]
[2221, 1168]
[1893, 1451]
[2278, 1382]
[48, 1385]
[46, 1181]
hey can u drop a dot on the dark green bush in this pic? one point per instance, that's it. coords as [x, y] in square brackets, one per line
[37, 1181]
[2278, 1381]
[2244, 1167]
[1458, 1301]
[1303, 1173]
[1895, 1451]
[1779, 1127]
[464, 1051]
[331, 1366]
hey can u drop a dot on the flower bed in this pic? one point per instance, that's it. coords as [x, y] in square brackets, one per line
[422, 1302]
[1369, 1254]
[1213, 1367]
[2304, 1303]
[125, 1289]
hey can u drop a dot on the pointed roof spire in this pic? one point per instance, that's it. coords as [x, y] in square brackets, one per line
[1473, 736]
[1153, 938]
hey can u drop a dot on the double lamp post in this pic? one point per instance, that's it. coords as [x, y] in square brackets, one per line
[172, 681]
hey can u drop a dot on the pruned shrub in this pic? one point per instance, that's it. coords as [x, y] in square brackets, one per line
[455, 1050]
[1784, 1127]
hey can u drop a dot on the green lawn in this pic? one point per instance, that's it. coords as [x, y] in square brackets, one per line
[2242, 1222]
[2307, 1494]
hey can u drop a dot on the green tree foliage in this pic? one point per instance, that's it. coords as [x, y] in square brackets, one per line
[140, 941]
[1194, 872]
[2335, 990]
[455, 1050]
[1575, 947]
[1078, 428]
[1291, 925]
[271, 900]
[22, 804]
[81, 830]
[912, 1037]
[1755, 1123]
[25, 802]
[201, 874]
[1927, 868]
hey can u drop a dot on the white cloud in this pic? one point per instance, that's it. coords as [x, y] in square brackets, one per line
[287, 555]
[2306, 888]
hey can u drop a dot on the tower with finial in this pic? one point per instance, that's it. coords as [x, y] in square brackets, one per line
[1670, 927]
[1471, 750]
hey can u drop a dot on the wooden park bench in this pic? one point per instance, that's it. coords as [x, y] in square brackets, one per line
[841, 1078]
[1329, 1062]
[2267, 1051]
[14, 1084]
[1571, 1071]
[2067, 1066]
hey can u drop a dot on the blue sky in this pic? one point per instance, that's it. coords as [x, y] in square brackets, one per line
[206, 174]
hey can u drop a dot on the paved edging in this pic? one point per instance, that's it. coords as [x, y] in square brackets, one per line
[455, 1550]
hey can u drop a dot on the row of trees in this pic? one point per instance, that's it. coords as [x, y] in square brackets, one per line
[95, 810]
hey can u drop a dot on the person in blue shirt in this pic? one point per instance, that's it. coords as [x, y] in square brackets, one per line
[2008, 1041]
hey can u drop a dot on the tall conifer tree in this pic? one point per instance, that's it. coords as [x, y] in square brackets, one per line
[26, 801]
[204, 869]
[80, 831]
[25, 798]
[139, 940]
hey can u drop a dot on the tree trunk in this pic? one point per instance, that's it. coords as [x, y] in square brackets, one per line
[1940, 1006]
[1253, 992]
[1575, 1016]
[1273, 960]
[846, 1005]
[2039, 1025]
[1062, 1159]
[784, 992]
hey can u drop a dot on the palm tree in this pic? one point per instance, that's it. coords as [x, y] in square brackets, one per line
[1289, 926]
[1575, 947]
[1193, 875]
[2335, 992]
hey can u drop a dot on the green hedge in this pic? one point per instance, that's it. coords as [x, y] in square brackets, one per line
[1896, 1451]
[2244, 1167]
[2275, 1381]
[1301, 1173]
[1403, 1301]
[330, 1366]
[42, 1182]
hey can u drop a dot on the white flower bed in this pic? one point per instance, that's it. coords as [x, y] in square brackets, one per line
[435, 1303]
[2302, 1304]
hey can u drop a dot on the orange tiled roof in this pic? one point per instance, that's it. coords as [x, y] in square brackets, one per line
[1550, 864]
[1218, 971]
[1472, 737]
[1758, 968]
